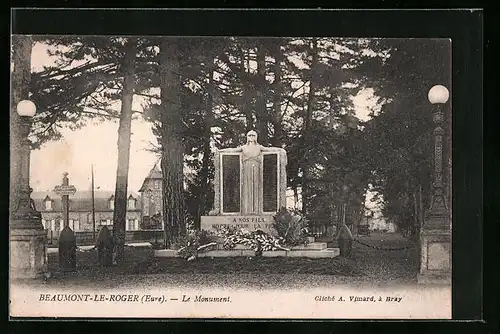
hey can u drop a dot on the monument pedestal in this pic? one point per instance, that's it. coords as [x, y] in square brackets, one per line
[28, 254]
[435, 257]
[250, 223]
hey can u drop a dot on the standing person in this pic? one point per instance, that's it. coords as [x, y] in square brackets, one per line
[345, 239]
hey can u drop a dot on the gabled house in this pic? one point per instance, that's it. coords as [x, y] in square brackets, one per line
[151, 194]
[80, 210]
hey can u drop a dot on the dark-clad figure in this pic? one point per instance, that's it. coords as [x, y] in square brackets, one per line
[345, 239]
[104, 245]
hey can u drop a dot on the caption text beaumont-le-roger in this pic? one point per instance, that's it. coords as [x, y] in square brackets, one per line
[131, 298]
[197, 298]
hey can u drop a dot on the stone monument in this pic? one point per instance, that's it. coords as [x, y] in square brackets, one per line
[250, 186]
[67, 239]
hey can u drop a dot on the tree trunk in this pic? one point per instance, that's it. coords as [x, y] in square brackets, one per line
[207, 153]
[416, 213]
[247, 101]
[124, 133]
[172, 161]
[295, 196]
[261, 107]
[277, 126]
[307, 124]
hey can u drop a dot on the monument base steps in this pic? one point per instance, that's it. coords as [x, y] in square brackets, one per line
[434, 279]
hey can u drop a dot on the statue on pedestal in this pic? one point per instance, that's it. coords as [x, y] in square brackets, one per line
[251, 171]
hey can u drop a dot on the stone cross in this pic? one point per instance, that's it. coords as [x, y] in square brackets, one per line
[64, 191]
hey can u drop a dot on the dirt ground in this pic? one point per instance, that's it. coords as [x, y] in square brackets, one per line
[367, 266]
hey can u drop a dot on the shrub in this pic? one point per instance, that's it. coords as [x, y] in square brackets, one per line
[291, 227]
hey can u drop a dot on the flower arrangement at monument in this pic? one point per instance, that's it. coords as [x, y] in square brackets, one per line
[195, 241]
[291, 227]
[257, 240]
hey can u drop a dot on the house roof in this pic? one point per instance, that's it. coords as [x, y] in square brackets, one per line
[80, 201]
[154, 174]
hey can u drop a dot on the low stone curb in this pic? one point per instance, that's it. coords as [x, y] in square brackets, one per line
[311, 246]
[311, 253]
[52, 250]
[224, 253]
[277, 253]
[166, 253]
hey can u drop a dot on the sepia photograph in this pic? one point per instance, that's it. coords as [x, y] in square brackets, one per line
[230, 177]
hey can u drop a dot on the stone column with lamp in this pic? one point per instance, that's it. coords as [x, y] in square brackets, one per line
[28, 253]
[435, 235]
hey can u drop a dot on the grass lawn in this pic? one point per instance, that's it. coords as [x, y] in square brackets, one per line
[367, 266]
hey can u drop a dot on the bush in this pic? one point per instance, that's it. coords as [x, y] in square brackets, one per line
[291, 227]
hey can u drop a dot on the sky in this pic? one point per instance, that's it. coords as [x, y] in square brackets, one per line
[97, 144]
[94, 144]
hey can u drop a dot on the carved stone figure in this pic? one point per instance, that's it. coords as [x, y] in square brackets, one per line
[249, 185]
[251, 182]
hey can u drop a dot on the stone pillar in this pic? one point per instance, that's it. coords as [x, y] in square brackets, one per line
[217, 184]
[28, 255]
[435, 235]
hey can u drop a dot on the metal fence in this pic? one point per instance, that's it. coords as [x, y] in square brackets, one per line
[321, 227]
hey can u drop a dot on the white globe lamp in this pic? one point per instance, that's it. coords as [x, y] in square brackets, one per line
[26, 108]
[438, 94]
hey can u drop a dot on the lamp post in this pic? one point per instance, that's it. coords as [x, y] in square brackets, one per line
[435, 235]
[27, 235]
[24, 214]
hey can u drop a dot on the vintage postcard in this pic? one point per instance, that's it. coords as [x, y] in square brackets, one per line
[230, 177]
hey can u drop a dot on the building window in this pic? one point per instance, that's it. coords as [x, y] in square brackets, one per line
[130, 224]
[111, 204]
[131, 204]
[48, 204]
[74, 224]
[157, 184]
[152, 208]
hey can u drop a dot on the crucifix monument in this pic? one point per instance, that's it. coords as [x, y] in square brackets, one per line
[250, 186]
[67, 239]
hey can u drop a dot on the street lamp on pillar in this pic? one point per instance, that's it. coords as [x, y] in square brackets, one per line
[438, 215]
[25, 215]
[28, 252]
[435, 236]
